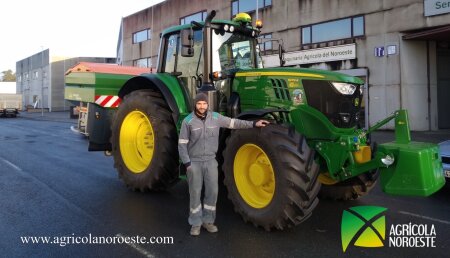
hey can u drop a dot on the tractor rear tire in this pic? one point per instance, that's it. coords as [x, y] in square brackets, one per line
[350, 189]
[145, 142]
[271, 176]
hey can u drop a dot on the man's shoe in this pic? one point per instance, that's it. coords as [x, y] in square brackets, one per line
[195, 230]
[210, 227]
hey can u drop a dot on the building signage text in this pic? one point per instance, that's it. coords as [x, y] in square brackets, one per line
[319, 55]
[435, 7]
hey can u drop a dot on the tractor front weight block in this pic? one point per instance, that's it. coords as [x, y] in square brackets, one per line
[416, 171]
[411, 168]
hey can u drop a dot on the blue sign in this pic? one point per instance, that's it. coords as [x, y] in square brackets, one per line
[379, 51]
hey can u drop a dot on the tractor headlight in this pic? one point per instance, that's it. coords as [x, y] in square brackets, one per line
[388, 160]
[231, 28]
[344, 88]
[226, 27]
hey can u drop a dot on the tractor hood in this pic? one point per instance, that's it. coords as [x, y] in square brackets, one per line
[337, 96]
[300, 73]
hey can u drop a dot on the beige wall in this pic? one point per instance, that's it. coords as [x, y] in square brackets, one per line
[397, 81]
[165, 15]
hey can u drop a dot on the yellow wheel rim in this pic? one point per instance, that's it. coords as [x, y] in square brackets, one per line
[325, 179]
[137, 141]
[254, 176]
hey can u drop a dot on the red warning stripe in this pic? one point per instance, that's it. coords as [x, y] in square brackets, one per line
[107, 100]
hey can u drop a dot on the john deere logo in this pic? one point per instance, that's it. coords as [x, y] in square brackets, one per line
[363, 226]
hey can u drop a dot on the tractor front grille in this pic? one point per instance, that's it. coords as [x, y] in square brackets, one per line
[280, 88]
[342, 110]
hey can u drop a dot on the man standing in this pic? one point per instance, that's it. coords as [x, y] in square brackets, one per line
[197, 145]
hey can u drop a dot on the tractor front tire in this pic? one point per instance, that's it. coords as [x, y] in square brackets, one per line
[144, 142]
[271, 176]
[350, 189]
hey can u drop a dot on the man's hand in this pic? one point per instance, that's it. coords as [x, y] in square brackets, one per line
[262, 123]
[187, 165]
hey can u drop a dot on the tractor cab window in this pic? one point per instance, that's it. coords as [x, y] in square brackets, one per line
[171, 52]
[187, 69]
[192, 66]
[174, 62]
[234, 51]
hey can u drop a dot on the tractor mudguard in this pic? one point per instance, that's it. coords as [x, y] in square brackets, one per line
[168, 86]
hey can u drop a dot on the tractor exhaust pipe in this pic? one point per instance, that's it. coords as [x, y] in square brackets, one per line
[207, 85]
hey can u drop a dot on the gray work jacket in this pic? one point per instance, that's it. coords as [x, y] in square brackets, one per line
[199, 139]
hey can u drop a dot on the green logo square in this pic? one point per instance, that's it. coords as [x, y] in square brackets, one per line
[363, 226]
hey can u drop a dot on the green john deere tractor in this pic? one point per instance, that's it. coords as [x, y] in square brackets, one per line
[274, 175]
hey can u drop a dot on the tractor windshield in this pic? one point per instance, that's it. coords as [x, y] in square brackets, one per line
[234, 51]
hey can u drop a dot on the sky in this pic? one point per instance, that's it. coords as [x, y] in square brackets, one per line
[67, 28]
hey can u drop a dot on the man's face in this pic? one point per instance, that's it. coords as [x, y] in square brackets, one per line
[201, 106]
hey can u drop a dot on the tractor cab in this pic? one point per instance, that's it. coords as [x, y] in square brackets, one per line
[205, 56]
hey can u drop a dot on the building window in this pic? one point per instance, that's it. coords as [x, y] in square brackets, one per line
[143, 62]
[26, 76]
[142, 35]
[198, 17]
[306, 35]
[240, 6]
[265, 45]
[358, 26]
[334, 30]
[35, 75]
[19, 79]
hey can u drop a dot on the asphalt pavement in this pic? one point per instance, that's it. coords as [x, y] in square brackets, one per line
[60, 116]
[50, 185]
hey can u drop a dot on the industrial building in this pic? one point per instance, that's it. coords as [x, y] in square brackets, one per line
[40, 79]
[400, 48]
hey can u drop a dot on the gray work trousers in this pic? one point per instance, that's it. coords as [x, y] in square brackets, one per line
[199, 172]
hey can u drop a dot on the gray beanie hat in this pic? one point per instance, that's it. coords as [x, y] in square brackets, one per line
[200, 97]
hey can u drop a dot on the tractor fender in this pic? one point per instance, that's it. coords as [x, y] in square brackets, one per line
[151, 81]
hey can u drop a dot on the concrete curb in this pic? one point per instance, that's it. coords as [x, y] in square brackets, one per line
[48, 116]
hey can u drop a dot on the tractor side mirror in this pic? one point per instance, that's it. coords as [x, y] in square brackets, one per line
[281, 54]
[187, 43]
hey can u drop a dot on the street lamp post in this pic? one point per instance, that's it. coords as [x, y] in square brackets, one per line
[257, 11]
